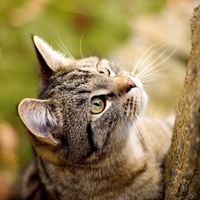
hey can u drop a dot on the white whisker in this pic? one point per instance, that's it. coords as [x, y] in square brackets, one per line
[148, 147]
[147, 68]
[154, 124]
[134, 151]
[80, 45]
[64, 49]
[154, 67]
[138, 64]
[131, 64]
[146, 59]
[153, 78]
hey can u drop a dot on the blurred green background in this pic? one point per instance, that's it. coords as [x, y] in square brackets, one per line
[118, 29]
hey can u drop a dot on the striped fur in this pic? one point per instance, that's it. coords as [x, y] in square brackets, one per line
[89, 133]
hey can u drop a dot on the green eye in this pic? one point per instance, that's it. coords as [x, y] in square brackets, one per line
[97, 105]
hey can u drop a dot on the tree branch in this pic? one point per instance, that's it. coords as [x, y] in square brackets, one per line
[182, 173]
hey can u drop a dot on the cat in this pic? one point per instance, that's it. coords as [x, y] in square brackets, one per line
[90, 136]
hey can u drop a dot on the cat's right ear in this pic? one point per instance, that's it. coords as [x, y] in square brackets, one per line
[50, 60]
[37, 117]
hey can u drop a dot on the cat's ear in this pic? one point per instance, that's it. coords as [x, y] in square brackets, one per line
[48, 57]
[38, 119]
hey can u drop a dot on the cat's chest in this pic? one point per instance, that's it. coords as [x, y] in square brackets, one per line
[105, 183]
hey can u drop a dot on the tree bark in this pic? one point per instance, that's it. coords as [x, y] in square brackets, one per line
[182, 173]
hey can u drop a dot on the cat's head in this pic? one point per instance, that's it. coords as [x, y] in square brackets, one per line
[84, 108]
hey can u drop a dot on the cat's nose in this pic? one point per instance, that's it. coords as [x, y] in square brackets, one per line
[130, 84]
[124, 83]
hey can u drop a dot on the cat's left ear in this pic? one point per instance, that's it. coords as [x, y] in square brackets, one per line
[38, 118]
[50, 60]
[49, 57]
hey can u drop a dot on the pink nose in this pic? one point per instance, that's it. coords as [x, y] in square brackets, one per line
[124, 83]
[130, 84]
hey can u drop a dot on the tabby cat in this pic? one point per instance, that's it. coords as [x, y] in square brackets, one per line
[89, 133]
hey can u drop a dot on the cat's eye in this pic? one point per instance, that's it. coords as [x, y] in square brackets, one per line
[97, 105]
[104, 71]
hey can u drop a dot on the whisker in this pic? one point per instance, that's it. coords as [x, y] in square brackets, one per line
[80, 45]
[131, 64]
[134, 151]
[153, 77]
[154, 124]
[62, 46]
[147, 68]
[148, 147]
[143, 73]
[138, 64]
[146, 59]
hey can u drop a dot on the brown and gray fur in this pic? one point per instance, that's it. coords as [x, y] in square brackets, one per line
[85, 151]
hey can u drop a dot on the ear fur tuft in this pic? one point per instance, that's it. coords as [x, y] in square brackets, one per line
[52, 58]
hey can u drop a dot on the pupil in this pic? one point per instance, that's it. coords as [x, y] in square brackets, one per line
[96, 104]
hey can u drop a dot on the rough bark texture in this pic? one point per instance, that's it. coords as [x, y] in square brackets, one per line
[182, 173]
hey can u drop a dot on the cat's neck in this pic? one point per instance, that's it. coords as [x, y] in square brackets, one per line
[118, 163]
[118, 178]
[125, 170]
[130, 160]
[131, 153]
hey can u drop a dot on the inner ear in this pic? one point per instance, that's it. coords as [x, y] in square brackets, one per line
[38, 118]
